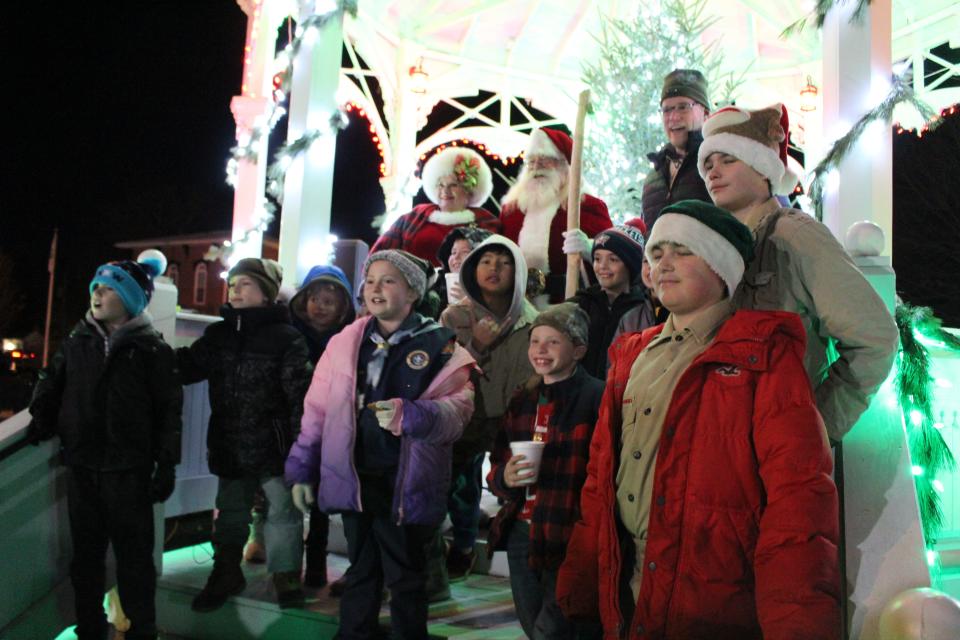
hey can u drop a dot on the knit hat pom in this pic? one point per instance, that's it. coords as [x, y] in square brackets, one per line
[153, 262]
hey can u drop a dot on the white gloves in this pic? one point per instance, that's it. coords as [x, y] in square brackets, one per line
[386, 412]
[303, 497]
[576, 241]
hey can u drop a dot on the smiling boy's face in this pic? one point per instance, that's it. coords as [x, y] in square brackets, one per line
[553, 354]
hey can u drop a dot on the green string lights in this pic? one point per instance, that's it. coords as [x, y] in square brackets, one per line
[929, 452]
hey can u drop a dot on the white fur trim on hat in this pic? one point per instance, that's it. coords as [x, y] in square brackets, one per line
[721, 256]
[759, 156]
[441, 165]
[540, 144]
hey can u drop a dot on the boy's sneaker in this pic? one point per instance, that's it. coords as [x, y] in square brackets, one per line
[289, 593]
[225, 580]
[460, 564]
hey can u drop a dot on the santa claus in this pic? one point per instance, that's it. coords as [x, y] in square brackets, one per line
[534, 210]
[457, 181]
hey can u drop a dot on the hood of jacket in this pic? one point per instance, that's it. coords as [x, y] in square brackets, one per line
[325, 273]
[468, 277]
[127, 331]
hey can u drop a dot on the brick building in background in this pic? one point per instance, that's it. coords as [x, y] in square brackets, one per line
[200, 287]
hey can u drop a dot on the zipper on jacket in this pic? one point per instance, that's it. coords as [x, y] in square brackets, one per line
[401, 477]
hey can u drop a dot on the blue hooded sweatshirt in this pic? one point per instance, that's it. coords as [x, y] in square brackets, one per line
[316, 340]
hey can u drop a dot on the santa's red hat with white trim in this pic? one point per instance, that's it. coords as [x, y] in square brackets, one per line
[758, 138]
[551, 143]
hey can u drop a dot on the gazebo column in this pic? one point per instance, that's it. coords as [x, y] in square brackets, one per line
[308, 188]
[884, 547]
[403, 127]
[250, 111]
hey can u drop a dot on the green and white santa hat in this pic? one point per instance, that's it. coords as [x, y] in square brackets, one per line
[712, 233]
[757, 138]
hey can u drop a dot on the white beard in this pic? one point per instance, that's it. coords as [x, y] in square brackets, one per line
[544, 192]
[534, 238]
[539, 199]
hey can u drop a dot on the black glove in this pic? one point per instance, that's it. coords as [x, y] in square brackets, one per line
[163, 482]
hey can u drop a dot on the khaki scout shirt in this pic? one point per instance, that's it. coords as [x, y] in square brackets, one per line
[646, 398]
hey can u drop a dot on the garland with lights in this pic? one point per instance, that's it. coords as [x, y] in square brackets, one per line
[625, 84]
[819, 15]
[900, 92]
[928, 451]
[247, 147]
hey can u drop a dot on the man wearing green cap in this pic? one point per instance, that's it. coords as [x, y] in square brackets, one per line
[684, 105]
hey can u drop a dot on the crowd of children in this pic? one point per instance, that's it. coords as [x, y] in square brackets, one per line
[658, 443]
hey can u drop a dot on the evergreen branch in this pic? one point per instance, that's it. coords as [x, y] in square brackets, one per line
[819, 16]
[900, 92]
[928, 449]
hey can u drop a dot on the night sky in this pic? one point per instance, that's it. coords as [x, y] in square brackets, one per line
[121, 127]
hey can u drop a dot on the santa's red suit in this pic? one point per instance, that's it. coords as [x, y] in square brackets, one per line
[544, 250]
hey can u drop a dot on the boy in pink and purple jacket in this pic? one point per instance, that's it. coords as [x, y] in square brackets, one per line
[389, 397]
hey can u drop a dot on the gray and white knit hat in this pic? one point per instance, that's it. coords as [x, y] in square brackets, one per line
[418, 273]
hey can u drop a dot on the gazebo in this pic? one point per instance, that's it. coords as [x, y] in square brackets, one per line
[527, 56]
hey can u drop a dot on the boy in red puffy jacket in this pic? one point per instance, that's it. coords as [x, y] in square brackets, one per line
[709, 510]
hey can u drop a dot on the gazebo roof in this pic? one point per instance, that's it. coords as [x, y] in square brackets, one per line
[535, 49]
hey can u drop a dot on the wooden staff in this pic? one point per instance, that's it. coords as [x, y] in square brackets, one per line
[573, 198]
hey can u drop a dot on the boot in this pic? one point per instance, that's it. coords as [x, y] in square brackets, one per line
[460, 563]
[316, 573]
[438, 585]
[256, 550]
[289, 593]
[225, 580]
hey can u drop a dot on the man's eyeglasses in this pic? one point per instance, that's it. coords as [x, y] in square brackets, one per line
[682, 108]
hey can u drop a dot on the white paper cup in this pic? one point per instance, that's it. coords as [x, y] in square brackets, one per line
[533, 452]
[453, 283]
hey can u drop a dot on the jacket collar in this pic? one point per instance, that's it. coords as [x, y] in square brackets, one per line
[694, 140]
[248, 320]
[743, 340]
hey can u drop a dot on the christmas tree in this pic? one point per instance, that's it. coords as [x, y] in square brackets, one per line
[625, 85]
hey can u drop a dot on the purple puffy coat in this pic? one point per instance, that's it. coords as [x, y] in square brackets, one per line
[429, 424]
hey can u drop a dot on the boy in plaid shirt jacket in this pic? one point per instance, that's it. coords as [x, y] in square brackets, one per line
[557, 406]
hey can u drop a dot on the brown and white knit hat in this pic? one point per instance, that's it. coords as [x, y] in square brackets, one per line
[758, 138]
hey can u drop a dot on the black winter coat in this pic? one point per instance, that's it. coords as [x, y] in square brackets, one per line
[258, 370]
[115, 401]
[688, 185]
[604, 319]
